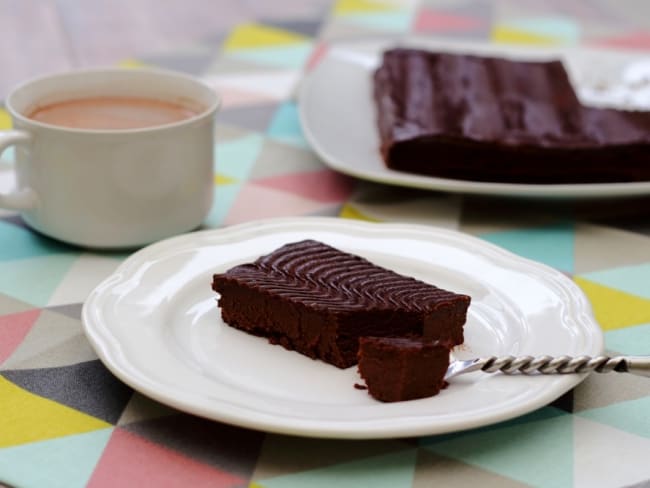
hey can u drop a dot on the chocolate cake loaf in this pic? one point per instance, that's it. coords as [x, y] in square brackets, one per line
[489, 119]
[399, 368]
[317, 300]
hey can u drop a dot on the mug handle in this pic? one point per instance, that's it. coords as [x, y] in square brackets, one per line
[19, 198]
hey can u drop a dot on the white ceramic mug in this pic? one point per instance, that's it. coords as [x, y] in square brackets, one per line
[112, 188]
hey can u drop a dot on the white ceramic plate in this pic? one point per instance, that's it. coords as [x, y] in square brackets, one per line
[338, 115]
[156, 325]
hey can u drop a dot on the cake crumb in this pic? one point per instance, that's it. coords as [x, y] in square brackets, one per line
[360, 387]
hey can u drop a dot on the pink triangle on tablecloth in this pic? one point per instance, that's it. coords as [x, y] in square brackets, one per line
[317, 53]
[432, 21]
[130, 460]
[258, 202]
[13, 329]
[325, 186]
[233, 97]
[633, 40]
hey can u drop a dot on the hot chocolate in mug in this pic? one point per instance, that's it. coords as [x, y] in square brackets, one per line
[112, 158]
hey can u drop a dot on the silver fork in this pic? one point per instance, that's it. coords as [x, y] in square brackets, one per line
[529, 365]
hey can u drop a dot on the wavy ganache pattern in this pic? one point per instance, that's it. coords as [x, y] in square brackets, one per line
[321, 276]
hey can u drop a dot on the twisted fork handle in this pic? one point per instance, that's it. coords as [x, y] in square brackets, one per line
[637, 365]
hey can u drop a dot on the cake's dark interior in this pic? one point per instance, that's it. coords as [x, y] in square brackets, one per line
[317, 300]
[490, 119]
[398, 369]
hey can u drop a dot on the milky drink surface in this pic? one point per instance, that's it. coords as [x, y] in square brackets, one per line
[112, 113]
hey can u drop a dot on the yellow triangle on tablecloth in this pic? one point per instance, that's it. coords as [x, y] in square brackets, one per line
[220, 179]
[343, 7]
[505, 35]
[350, 212]
[131, 63]
[25, 417]
[5, 119]
[247, 36]
[613, 308]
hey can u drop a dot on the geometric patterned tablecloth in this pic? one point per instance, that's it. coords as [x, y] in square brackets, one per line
[65, 421]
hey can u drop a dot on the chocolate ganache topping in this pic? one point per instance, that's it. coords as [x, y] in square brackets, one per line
[313, 273]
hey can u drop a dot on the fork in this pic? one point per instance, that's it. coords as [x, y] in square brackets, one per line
[530, 365]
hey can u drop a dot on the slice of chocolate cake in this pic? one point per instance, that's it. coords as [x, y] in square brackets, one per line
[399, 368]
[317, 300]
[491, 119]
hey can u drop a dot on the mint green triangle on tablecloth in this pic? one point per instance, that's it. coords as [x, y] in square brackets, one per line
[18, 242]
[236, 158]
[394, 21]
[631, 416]
[285, 125]
[552, 245]
[34, 280]
[64, 462]
[539, 453]
[633, 340]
